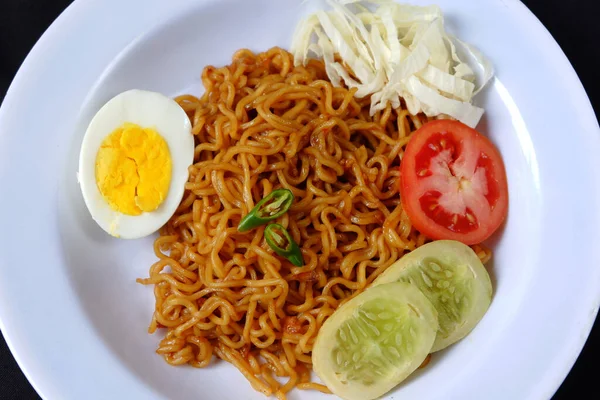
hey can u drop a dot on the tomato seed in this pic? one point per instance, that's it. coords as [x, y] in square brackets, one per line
[471, 218]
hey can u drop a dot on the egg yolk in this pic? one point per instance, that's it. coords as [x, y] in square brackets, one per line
[133, 169]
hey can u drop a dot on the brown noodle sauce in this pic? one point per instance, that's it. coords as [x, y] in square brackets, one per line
[264, 124]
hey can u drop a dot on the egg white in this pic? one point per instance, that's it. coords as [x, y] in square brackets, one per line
[148, 110]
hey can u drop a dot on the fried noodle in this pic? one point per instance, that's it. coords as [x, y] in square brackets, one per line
[264, 124]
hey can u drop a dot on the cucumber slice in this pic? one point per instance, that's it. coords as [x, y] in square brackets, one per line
[374, 341]
[453, 278]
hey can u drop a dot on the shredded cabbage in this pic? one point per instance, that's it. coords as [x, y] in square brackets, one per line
[392, 51]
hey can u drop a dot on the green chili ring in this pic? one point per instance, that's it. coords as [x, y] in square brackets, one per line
[273, 206]
[282, 243]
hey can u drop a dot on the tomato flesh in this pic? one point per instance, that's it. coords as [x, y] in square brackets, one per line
[453, 183]
[460, 223]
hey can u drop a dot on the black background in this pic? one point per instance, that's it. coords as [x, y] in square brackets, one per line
[574, 24]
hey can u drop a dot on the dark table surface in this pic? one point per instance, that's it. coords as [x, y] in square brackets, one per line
[573, 24]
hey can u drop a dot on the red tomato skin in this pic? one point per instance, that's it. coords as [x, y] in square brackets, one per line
[496, 180]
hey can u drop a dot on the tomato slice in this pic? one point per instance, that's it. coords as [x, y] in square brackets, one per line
[453, 183]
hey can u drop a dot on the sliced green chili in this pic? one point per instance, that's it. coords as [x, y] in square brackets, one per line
[283, 244]
[271, 207]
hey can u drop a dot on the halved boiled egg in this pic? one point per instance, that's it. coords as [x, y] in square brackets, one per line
[134, 162]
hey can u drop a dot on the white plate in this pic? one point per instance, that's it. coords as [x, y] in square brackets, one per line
[69, 305]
